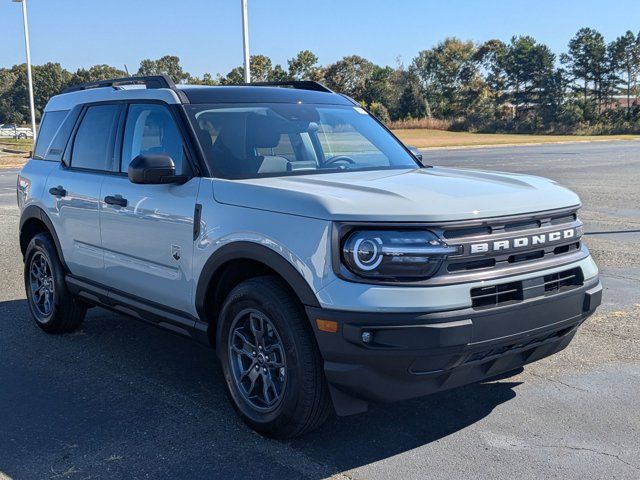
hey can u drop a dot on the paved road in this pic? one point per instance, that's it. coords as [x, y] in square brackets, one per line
[8, 187]
[123, 400]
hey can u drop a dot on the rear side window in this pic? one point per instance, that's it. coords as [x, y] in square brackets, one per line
[93, 144]
[49, 125]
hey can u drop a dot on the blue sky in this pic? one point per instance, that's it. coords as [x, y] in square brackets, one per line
[206, 35]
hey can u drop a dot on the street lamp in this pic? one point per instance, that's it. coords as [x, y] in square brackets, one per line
[29, 76]
[245, 41]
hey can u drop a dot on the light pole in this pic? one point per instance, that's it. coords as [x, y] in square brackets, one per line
[29, 76]
[245, 41]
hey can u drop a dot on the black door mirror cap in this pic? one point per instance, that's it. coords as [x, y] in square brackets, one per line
[154, 169]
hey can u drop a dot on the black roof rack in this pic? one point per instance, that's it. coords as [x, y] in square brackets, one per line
[297, 84]
[150, 81]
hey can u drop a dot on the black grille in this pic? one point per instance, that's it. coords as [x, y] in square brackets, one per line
[513, 292]
[561, 281]
[485, 297]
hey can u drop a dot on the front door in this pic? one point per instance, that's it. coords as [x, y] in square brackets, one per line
[147, 231]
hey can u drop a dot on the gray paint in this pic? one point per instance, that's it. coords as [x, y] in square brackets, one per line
[418, 195]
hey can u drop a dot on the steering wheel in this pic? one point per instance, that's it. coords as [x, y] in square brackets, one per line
[338, 158]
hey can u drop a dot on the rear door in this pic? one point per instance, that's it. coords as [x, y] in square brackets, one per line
[148, 237]
[74, 188]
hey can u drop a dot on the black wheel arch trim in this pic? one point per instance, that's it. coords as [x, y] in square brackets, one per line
[244, 250]
[36, 212]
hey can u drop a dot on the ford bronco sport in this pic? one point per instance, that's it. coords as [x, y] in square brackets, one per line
[288, 228]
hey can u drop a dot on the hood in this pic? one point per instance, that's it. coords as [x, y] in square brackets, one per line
[416, 195]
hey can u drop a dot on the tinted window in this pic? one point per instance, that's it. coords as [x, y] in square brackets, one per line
[151, 129]
[59, 142]
[51, 121]
[284, 148]
[93, 145]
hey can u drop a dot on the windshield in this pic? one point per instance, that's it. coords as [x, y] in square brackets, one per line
[256, 140]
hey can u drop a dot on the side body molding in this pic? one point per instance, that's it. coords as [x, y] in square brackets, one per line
[243, 250]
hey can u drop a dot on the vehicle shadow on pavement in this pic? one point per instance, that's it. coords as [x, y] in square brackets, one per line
[388, 430]
[123, 399]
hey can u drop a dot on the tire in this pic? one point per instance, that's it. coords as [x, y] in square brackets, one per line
[62, 313]
[22, 136]
[262, 307]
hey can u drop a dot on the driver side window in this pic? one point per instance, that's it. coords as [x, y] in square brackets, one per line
[150, 129]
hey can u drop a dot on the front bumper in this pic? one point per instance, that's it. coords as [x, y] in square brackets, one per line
[412, 354]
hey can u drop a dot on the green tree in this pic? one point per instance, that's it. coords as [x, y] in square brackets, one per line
[528, 67]
[262, 70]
[411, 102]
[234, 77]
[489, 57]
[380, 111]
[8, 111]
[95, 73]
[349, 76]
[446, 73]
[48, 80]
[380, 86]
[167, 65]
[304, 66]
[586, 61]
[625, 56]
[206, 79]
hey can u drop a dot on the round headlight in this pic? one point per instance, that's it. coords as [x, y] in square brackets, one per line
[367, 253]
[394, 254]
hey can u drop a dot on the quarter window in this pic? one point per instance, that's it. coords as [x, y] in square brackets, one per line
[150, 129]
[93, 145]
[51, 121]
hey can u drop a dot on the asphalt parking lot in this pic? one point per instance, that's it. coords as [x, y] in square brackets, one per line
[120, 399]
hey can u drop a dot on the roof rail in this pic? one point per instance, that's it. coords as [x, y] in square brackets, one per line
[297, 84]
[150, 81]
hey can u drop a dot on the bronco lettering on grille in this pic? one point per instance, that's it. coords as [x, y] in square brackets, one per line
[523, 242]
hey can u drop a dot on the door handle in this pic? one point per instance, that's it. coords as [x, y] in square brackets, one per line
[116, 200]
[58, 191]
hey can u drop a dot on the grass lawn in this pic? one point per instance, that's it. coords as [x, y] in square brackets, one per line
[11, 160]
[424, 138]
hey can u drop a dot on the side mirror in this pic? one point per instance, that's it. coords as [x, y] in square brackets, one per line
[415, 152]
[154, 169]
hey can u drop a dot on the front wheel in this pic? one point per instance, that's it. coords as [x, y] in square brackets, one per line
[271, 363]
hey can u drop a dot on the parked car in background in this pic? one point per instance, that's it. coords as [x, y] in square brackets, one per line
[11, 130]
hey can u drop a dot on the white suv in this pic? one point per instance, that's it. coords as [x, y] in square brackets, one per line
[288, 228]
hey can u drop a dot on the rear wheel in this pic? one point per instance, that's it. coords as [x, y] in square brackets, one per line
[54, 309]
[272, 366]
